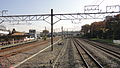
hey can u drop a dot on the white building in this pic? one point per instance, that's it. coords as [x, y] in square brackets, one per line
[33, 33]
[3, 30]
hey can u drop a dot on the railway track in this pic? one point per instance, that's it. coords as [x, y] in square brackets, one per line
[7, 52]
[66, 58]
[15, 50]
[43, 58]
[107, 50]
[14, 55]
[88, 60]
[62, 52]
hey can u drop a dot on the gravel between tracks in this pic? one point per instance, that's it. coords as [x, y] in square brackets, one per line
[6, 62]
[101, 56]
[44, 59]
[112, 47]
[69, 57]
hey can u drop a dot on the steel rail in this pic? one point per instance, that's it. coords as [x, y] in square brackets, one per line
[79, 52]
[87, 52]
[109, 51]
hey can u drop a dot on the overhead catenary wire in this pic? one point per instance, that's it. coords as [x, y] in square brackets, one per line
[95, 1]
[101, 2]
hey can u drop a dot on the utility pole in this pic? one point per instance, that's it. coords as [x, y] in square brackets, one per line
[67, 32]
[45, 32]
[45, 27]
[51, 29]
[62, 31]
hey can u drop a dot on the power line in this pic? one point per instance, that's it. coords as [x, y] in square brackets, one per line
[101, 2]
[95, 1]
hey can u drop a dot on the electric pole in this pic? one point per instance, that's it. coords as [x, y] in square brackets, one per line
[67, 32]
[51, 29]
[62, 31]
[45, 27]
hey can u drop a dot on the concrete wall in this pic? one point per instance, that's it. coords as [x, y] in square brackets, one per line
[116, 41]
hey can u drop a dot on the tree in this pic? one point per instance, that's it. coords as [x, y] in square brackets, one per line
[97, 29]
[85, 30]
[45, 33]
[107, 29]
[113, 26]
[13, 31]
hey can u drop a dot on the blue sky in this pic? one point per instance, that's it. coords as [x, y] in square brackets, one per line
[43, 6]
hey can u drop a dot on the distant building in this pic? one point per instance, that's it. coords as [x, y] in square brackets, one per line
[11, 37]
[3, 30]
[18, 33]
[14, 32]
[70, 33]
[32, 33]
